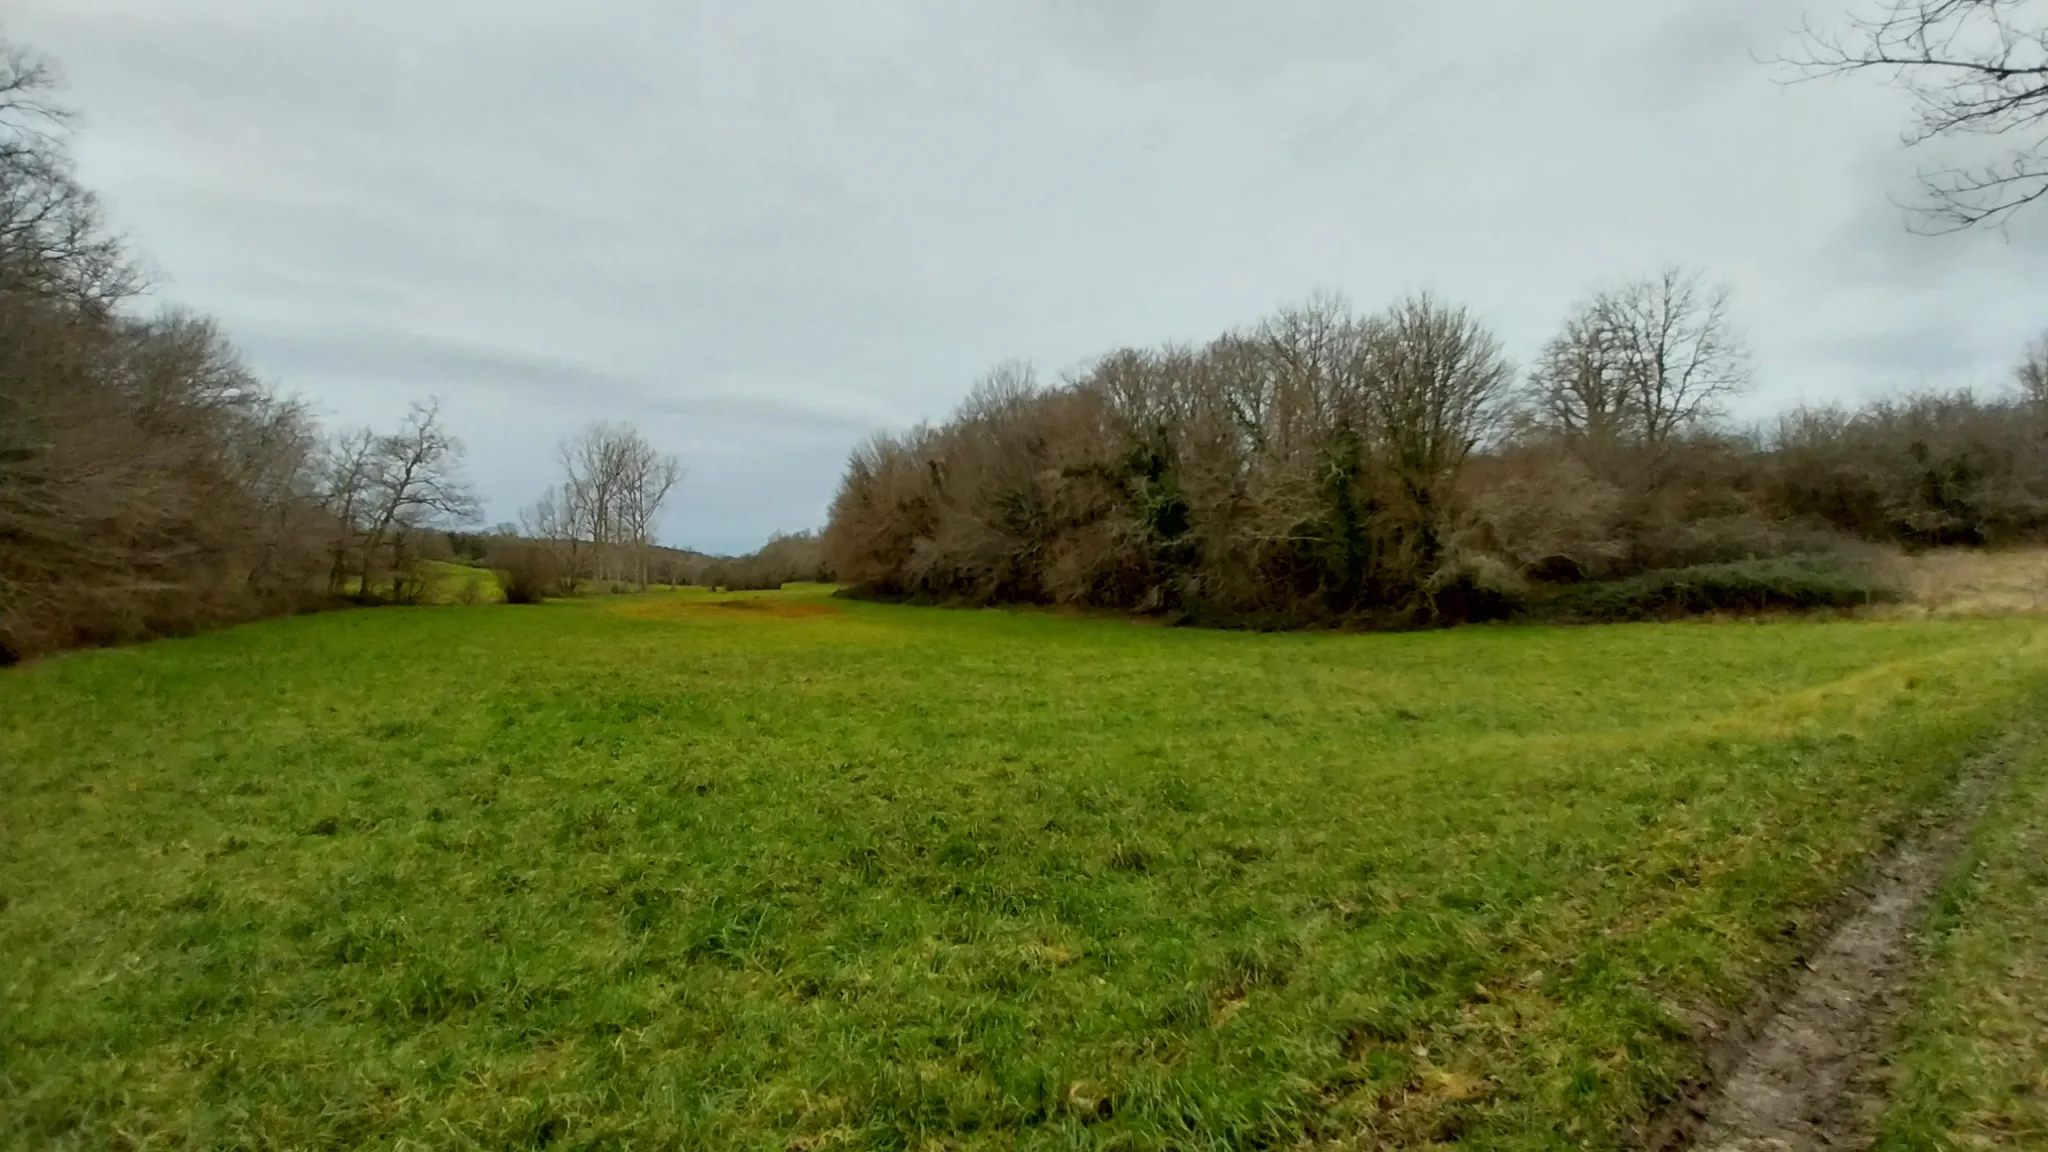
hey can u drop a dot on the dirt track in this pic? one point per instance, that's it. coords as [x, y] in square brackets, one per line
[1805, 1079]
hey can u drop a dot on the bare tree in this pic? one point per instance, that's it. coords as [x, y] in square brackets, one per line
[650, 477]
[349, 472]
[1578, 388]
[416, 485]
[1311, 347]
[1438, 386]
[1973, 68]
[2032, 374]
[50, 226]
[1677, 349]
[590, 492]
[1639, 364]
[550, 524]
[1681, 354]
[615, 484]
[274, 462]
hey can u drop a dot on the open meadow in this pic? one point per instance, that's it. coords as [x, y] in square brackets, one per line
[702, 870]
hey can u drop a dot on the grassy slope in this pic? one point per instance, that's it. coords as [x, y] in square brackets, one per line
[658, 873]
[461, 583]
[1972, 1070]
[447, 583]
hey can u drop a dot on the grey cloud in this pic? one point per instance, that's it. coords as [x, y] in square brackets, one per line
[428, 365]
[764, 230]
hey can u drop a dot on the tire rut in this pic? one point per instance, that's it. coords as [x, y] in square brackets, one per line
[1805, 1079]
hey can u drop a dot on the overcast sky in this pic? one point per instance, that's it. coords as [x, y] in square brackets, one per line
[763, 229]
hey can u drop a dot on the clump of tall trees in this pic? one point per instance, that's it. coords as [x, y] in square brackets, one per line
[597, 525]
[391, 497]
[1393, 468]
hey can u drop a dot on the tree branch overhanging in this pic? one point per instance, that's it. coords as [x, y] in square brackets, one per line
[1972, 68]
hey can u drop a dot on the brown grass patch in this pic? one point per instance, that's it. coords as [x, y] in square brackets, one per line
[1972, 583]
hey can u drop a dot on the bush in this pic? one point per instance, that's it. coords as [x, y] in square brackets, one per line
[1791, 583]
[1676, 543]
[528, 570]
[1477, 588]
[1543, 511]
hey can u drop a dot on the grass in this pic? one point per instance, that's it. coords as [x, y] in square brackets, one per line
[446, 583]
[713, 870]
[450, 583]
[1972, 1066]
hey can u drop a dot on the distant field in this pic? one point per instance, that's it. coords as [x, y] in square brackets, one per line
[710, 870]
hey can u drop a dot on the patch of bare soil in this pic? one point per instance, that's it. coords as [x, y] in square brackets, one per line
[1804, 1077]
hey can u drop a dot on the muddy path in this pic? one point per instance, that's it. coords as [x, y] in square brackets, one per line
[1802, 1075]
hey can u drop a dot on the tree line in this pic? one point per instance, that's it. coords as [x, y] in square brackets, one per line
[152, 484]
[597, 523]
[1325, 465]
[148, 482]
[787, 558]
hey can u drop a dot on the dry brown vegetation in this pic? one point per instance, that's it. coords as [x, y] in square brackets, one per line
[389, 498]
[1393, 469]
[148, 482]
[1957, 582]
[787, 558]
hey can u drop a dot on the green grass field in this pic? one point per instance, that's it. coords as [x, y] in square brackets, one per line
[703, 871]
[1972, 1070]
[446, 583]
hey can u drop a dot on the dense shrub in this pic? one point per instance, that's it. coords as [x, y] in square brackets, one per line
[528, 570]
[1930, 470]
[1308, 469]
[1789, 583]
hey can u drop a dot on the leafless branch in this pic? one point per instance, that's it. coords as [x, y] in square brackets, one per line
[1973, 68]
